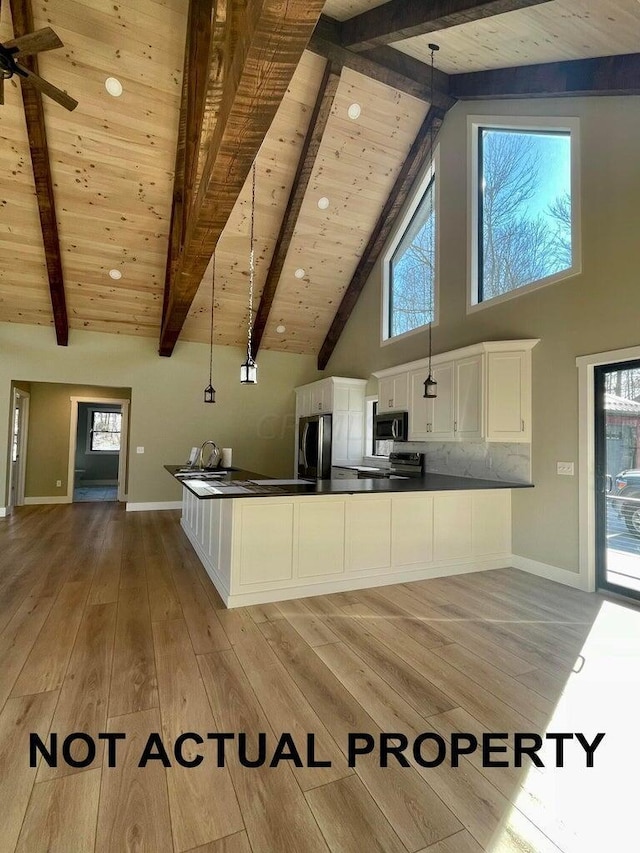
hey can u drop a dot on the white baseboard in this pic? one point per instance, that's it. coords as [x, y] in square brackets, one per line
[48, 499]
[153, 505]
[552, 573]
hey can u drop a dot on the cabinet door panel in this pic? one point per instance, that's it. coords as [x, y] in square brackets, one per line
[401, 392]
[385, 394]
[321, 534]
[369, 534]
[491, 522]
[452, 526]
[412, 530]
[266, 542]
[419, 408]
[468, 417]
[440, 411]
[508, 391]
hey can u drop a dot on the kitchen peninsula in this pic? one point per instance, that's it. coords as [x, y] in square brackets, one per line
[264, 540]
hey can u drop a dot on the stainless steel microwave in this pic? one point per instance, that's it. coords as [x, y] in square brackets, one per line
[391, 426]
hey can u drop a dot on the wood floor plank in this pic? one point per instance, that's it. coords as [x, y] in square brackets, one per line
[163, 596]
[82, 706]
[417, 815]
[238, 843]
[286, 708]
[47, 662]
[134, 804]
[461, 631]
[310, 627]
[202, 801]
[461, 842]
[527, 702]
[423, 696]
[392, 604]
[350, 820]
[61, 816]
[547, 684]
[17, 639]
[262, 791]
[132, 571]
[20, 717]
[264, 612]
[106, 581]
[479, 701]
[133, 679]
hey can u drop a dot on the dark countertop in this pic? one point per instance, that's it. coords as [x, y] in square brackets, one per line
[427, 483]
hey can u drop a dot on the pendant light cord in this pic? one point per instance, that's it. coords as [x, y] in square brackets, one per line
[213, 282]
[251, 263]
[433, 48]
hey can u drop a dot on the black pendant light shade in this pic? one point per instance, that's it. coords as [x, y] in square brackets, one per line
[210, 391]
[430, 387]
[249, 370]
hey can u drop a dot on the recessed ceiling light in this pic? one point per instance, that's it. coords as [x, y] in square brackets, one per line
[280, 329]
[115, 274]
[354, 111]
[113, 86]
[299, 273]
[323, 203]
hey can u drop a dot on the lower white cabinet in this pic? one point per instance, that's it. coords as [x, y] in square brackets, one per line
[268, 549]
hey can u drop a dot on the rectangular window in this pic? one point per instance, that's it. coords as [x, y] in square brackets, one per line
[412, 270]
[104, 431]
[524, 189]
[410, 263]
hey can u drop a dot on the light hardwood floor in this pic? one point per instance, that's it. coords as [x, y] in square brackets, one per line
[109, 624]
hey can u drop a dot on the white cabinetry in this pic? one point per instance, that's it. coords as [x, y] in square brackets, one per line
[509, 396]
[343, 398]
[269, 549]
[484, 392]
[393, 393]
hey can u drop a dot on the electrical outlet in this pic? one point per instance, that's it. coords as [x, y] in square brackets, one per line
[565, 468]
[58, 483]
[139, 449]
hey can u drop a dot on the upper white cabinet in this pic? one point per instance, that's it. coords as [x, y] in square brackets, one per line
[484, 392]
[509, 396]
[343, 398]
[393, 393]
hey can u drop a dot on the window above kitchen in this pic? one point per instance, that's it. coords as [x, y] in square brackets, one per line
[524, 205]
[410, 264]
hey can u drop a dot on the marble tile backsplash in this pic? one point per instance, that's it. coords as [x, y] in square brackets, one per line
[486, 460]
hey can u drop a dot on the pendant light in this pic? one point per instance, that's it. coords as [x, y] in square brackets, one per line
[430, 384]
[248, 371]
[210, 391]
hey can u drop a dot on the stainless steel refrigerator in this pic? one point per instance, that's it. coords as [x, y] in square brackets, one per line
[314, 447]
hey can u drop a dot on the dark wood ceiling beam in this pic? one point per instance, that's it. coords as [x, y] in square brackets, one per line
[195, 84]
[308, 154]
[22, 15]
[385, 65]
[416, 159]
[399, 19]
[604, 75]
[271, 37]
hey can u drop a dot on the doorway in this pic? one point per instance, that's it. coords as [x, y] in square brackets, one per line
[617, 477]
[98, 449]
[18, 447]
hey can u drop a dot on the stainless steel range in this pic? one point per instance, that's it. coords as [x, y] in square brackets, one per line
[401, 467]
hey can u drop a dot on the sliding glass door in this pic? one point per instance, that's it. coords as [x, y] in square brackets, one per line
[617, 472]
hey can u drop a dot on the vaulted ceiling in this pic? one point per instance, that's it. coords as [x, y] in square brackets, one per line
[150, 182]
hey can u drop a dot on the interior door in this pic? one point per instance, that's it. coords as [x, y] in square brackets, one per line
[617, 473]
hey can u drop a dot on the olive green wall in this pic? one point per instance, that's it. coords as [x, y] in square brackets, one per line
[598, 310]
[167, 415]
[48, 435]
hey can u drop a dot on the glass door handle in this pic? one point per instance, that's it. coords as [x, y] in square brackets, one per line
[608, 483]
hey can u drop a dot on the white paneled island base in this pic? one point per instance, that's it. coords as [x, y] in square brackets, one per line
[264, 549]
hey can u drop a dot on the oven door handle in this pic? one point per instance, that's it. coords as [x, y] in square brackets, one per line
[394, 428]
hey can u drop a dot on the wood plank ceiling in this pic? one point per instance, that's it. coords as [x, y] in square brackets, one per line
[113, 159]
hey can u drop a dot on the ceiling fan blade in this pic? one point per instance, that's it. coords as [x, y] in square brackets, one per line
[49, 89]
[36, 42]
